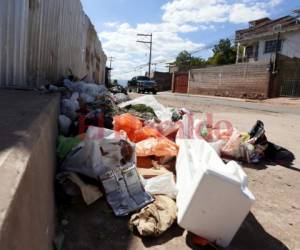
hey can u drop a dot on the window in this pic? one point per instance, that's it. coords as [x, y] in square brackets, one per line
[249, 51]
[143, 78]
[270, 46]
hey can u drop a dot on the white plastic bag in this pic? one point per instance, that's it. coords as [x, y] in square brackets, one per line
[64, 124]
[161, 111]
[91, 89]
[87, 98]
[69, 108]
[161, 184]
[121, 97]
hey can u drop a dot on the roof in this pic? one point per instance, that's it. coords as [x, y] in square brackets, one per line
[265, 27]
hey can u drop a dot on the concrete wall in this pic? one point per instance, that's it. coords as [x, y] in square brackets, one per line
[249, 80]
[40, 40]
[28, 130]
[163, 79]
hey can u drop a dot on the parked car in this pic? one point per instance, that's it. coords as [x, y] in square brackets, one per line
[142, 84]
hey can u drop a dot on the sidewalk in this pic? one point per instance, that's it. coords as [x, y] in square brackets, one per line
[295, 101]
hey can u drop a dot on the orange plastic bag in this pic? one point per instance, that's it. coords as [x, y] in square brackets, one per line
[156, 146]
[144, 162]
[145, 133]
[127, 123]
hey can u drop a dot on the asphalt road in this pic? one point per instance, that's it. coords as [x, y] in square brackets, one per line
[233, 103]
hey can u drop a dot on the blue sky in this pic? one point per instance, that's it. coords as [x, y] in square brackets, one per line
[176, 25]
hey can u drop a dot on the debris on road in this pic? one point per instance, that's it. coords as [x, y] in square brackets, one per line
[90, 193]
[213, 198]
[156, 161]
[156, 218]
[162, 184]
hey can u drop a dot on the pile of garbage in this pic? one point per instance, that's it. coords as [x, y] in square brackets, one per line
[148, 162]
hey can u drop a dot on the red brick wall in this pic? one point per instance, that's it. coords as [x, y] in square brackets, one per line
[243, 80]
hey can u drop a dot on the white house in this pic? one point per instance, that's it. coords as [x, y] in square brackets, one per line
[259, 41]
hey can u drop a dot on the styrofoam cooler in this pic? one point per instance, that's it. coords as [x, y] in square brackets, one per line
[213, 197]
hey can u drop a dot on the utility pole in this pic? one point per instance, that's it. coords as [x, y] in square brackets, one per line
[111, 59]
[147, 42]
[276, 53]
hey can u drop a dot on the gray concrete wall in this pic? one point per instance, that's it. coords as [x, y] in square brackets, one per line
[163, 79]
[249, 80]
[28, 129]
[40, 40]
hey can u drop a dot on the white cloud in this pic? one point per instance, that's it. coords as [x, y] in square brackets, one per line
[121, 44]
[179, 17]
[111, 24]
[216, 11]
[241, 13]
[195, 11]
[273, 3]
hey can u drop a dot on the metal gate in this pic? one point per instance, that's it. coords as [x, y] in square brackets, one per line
[181, 82]
[290, 87]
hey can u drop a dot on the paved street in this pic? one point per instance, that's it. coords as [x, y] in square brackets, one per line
[268, 106]
[277, 189]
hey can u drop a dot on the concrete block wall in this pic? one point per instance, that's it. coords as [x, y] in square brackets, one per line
[42, 40]
[163, 79]
[244, 80]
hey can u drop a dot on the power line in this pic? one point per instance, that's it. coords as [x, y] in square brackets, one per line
[147, 42]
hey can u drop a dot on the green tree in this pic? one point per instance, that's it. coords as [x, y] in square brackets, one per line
[184, 58]
[224, 53]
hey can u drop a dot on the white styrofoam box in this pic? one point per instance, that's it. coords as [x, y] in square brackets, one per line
[213, 197]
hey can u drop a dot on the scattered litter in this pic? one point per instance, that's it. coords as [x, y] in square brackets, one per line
[100, 152]
[145, 133]
[156, 146]
[124, 190]
[90, 89]
[232, 147]
[203, 242]
[161, 112]
[65, 145]
[90, 193]
[86, 98]
[151, 172]
[201, 173]
[156, 218]
[141, 111]
[134, 164]
[120, 97]
[69, 108]
[162, 184]
[64, 123]
[128, 123]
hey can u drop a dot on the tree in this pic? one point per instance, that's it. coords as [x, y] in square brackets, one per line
[224, 53]
[184, 58]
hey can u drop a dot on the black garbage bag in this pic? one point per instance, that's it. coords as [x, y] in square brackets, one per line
[279, 155]
[272, 152]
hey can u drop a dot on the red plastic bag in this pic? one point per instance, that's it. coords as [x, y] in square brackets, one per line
[128, 123]
[156, 146]
[145, 133]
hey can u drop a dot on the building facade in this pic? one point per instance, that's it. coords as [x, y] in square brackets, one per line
[265, 38]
